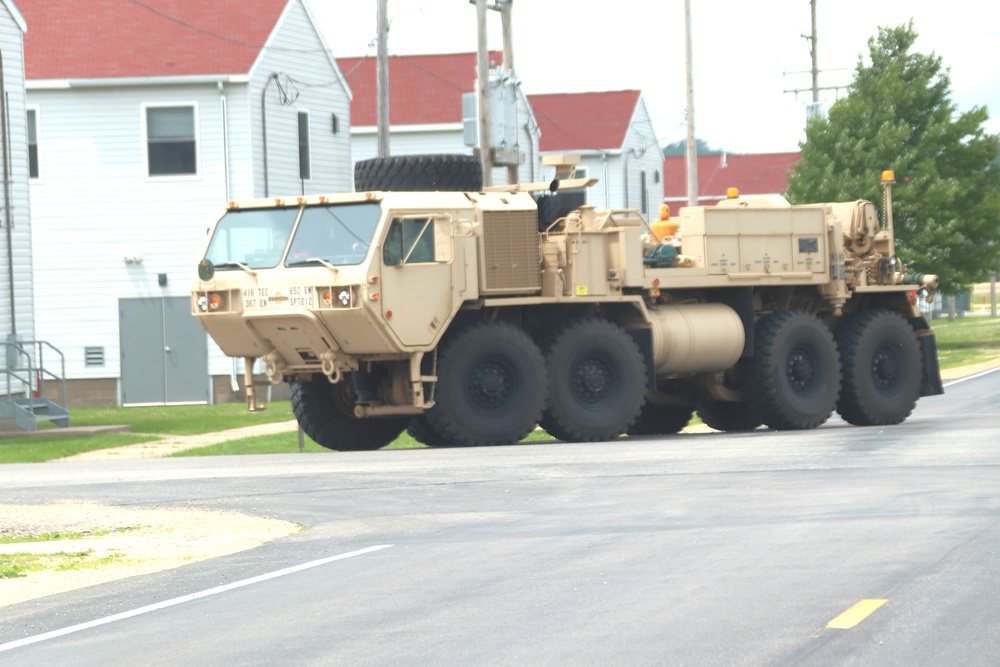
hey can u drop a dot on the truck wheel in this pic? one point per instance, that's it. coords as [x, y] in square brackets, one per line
[326, 414]
[597, 381]
[491, 386]
[729, 417]
[420, 430]
[882, 368]
[796, 371]
[419, 173]
[660, 420]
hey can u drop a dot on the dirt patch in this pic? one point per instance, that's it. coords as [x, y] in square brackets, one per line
[121, 542]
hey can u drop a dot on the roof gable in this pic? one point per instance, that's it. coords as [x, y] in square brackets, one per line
[15, 14]
[423, 90]
[98, 39]
[575, 122]
[758, 174]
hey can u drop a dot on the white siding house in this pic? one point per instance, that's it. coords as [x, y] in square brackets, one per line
[425, 109]
[614, 137]
[16, 303]
[141, 142]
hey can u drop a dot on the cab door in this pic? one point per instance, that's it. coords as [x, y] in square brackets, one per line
[417, 295]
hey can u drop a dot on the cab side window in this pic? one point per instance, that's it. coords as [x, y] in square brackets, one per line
[409, 241]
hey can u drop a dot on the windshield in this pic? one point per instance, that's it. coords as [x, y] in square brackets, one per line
[254, 238]
[338, 235]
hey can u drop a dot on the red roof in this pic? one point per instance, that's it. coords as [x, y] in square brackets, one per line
[760, 174]
[97, 39]
[423, 90]
[575, 122]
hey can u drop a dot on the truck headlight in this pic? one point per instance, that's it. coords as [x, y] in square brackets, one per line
[210, 302]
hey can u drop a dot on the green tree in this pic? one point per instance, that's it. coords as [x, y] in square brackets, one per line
[898, 114]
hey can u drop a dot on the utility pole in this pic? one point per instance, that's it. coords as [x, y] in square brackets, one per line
[692, 144]
[508, 35]
[814, 109]
[483, 76]
[382, 78]
[508, 61]
[813, 52]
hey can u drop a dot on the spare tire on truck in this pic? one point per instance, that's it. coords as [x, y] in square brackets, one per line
[419, 173]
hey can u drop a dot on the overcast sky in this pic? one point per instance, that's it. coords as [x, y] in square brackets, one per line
[741, 52]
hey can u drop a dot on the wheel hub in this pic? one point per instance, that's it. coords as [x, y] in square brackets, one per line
[591, 380]
[885, 369]
[801, 369]
[490, 384]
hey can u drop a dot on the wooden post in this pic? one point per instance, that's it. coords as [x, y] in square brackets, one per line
[483, 75]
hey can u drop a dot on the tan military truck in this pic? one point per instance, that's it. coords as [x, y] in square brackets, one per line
[468, 317]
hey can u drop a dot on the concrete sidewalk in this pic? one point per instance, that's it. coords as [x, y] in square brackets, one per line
[178, 443]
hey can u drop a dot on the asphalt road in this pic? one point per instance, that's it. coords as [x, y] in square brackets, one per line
[698, 549]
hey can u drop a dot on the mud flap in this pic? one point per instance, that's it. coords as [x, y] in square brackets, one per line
[930, 383]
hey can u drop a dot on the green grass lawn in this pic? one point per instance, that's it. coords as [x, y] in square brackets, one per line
[147, 423]
[37, 448]
[182, 419]
[964, 341]
[967, 340]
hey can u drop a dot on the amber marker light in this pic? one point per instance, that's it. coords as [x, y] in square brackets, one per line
[327, 297]
[656, 282]
[388, 314]
[214, 302]
[732, 193]
[374, 296]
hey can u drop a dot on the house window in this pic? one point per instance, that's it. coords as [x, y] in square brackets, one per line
[584, 172]
[304, 161]
[171, 141]
[33, 143]
[409, 241]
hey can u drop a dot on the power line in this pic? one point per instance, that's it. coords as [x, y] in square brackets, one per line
[225, 38]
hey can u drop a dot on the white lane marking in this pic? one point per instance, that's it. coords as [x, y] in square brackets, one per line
[970, 377]
[185, 598]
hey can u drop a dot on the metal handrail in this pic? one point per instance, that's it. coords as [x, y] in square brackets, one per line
[35, 377]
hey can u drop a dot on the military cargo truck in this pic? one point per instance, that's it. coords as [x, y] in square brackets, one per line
[470, 317]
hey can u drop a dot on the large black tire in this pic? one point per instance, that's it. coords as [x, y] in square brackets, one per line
[729, 417]
[326, 414]
[660, 419]
[420, 430]
[491, 386]
[419, 173]
[796, 371]
[882, 366]
[597, 381]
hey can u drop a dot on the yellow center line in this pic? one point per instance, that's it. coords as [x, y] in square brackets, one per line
[855, 614]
